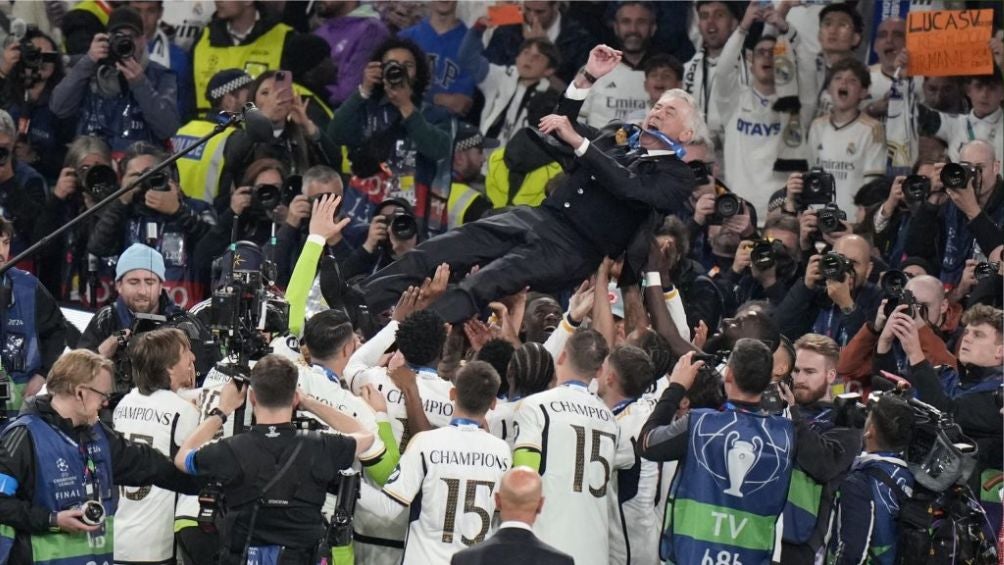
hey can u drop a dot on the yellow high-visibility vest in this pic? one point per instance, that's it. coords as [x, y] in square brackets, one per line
[265, 53]
[530, 193]
[199, 171]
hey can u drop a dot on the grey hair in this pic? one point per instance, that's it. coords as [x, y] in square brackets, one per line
[86, 145]
[7, 126]
[693, 120]
[320, 174]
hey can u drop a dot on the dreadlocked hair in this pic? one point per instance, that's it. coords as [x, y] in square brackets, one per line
[531, 370]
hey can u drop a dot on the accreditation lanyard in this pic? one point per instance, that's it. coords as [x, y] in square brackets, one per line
[620, 406]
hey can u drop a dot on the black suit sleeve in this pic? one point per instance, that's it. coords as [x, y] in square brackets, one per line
[139, 465]
[666, 191]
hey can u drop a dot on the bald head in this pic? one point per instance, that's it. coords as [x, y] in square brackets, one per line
[929, 292]
[519, 496]
[981, 153]
[859, 252]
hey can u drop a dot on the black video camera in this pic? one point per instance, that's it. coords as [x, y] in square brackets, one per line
[765, 253]
[986, 269]
[893, 284]
[916, 189]
[99, 181]
[394, 73]
[956, 176]
[123, 363]
[242, 309]
[818, 187]
[829, 218]
[834, 266]
[726, 206]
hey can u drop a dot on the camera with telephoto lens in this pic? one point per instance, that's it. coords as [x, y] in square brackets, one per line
[394, 73]
[726, 206]
[265, 196]
[818, 187]
[834, 266]
[916, 189]
[765, 253]
[93, 513]
[157, 182]
[771, 400]
[986, 269]
[210, 507]
[99, 181]
[830, 218]
[956, 176]
[893, 284]
[340, 528]
[403, 225]
[121, 46]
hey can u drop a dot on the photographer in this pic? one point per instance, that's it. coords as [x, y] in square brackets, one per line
[153, 413]
[834, 298]
[76, 190]
[971, 394]
[386, 123]
[893, 219]
[115, 92]
[296, 141]
[29, 69]
[274, 478]
[698, 441]
[253, 206]
[875, 346]
[158, 214]
[33, 329]
[60, 466]
[825, 450]
[765, 268]
[139, 279]
[971, 224]
[863, 522]
[22, 191]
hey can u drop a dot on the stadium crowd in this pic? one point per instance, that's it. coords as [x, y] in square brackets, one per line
[467, 282]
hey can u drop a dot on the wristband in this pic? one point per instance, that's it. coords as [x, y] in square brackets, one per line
[653, 278]
[363, 93]
[587, 75]
[53, 521]
[220, 414]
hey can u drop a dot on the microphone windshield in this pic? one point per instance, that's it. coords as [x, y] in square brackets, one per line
[257, 126]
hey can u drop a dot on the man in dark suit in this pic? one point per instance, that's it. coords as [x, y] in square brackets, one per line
[610, 196]
[519, 501]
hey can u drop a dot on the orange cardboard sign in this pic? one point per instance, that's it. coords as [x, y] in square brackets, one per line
[505, 14]
[944, 43]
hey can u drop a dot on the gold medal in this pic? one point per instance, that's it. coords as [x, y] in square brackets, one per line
[621, 137]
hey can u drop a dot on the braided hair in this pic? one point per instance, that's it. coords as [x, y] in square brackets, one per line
[531, 370]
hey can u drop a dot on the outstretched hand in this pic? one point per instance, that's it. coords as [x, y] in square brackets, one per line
[602, 60]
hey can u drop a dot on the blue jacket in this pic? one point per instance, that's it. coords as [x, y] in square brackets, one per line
[863, 525]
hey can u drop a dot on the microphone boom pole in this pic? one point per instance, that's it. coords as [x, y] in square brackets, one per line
[232, 119]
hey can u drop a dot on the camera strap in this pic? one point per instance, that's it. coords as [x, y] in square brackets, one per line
[268, 486]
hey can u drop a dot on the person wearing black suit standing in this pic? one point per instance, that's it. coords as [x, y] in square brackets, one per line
[519, 501]
[620, 184]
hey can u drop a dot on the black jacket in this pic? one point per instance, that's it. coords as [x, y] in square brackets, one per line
[608, 197]
[511, 545]
[133, 464]
[702, 299]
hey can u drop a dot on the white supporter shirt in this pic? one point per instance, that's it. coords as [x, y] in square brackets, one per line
[752, 131]
[456, 471]
[634, 523]
[580, 448]
[144, 522]
[959, 129]
[852, 153]
[880, 83]
[615, 96]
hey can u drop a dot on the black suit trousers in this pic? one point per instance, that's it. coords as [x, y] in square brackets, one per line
[533, 247]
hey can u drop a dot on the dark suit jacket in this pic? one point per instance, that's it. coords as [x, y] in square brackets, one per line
[511, 545]
[616, 202]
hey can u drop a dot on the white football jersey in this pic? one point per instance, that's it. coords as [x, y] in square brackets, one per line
[615, 96]
[634, 524]
[580, 446]
[500, 420]
[456, 471]
[851, 153]
[435, 394]
[144, 522]
[959, 129]
[187, 18]
[313, 380]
